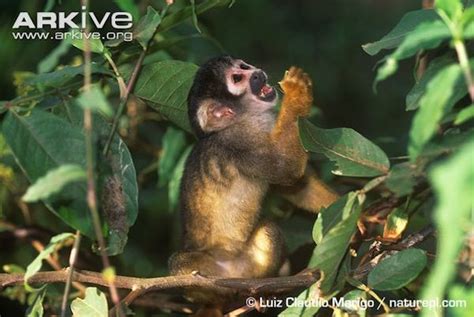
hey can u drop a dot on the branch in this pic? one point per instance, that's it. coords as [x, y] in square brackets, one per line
[272, 285]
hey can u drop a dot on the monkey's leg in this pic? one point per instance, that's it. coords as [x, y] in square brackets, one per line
[263, 256]
[266, 250]
[309, 193]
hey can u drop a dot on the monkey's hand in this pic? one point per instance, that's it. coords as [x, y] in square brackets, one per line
[297, 87]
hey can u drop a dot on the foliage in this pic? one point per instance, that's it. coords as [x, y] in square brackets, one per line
[361, 239]
[94, 304]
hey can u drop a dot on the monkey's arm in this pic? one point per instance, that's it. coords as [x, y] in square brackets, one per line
[279, 158]
[284, 137]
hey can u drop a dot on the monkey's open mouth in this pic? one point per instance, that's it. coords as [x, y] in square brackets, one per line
[267, 93]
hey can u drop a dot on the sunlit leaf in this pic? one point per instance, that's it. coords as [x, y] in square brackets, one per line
[464, 295]
[396, 223]
[54, 181]
[397, 270]
[452, 8]
[464, 115]
[94, 304]
[433, 105]
[35, 302]
[453, 184]
[353, 154]
[53, 244]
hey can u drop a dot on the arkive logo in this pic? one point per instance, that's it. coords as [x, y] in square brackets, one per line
[75, 20]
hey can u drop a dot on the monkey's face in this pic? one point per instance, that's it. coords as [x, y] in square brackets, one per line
[225, 91]
[250, 83]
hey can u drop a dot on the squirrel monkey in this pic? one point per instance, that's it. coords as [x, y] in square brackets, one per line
[243, 148]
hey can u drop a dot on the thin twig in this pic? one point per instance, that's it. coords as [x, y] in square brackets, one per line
[72, 262]
[123, 101]
[91, 190]
[130, 85]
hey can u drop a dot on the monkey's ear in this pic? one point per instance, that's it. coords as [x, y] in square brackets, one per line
[213, 116]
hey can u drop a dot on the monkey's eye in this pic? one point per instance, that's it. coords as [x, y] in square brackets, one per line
[244, 66]
[237, 78]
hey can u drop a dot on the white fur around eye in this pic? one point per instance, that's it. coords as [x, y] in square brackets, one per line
[236, 88]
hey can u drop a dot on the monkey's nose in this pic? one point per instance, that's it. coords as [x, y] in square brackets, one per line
[257, 80]
[258, 77]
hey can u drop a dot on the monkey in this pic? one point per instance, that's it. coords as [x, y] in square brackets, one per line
[243, 147]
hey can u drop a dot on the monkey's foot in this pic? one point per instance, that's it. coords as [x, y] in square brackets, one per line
[297, 87]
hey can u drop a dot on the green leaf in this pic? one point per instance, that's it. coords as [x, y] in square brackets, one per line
[397, 270]
[95, 44]
[328, 218]
[95, 100]
[166, 86]
[452, 8]
[427, 35]
[464, 115]
[179, 16]
[461, 294]
[30, 139]
[195, 19]
[396, 223]
[35, 303]
[453, 184]
[53, 244]
[433, 105]
[174, 142]
[352, 301]
[402, 179]
[94, 304]
[130, 7]
[353, 154]
[54, 181]
[146, 27]
[446, 144]
[416, 93]
[48, 63]
[175, 182]
[329, 253]
[62, 76]
[407, 24]
[118, 189]
[311, 293]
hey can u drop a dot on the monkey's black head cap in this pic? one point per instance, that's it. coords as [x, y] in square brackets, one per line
[209, 83]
